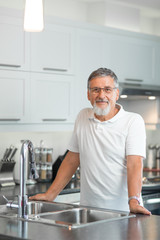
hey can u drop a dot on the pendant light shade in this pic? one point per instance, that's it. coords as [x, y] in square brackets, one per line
[33, 16]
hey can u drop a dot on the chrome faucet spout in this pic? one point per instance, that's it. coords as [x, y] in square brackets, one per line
[26, 155]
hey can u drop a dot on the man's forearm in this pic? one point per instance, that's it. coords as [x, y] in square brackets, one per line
[64, 174]
[134, 175]
[134, 179]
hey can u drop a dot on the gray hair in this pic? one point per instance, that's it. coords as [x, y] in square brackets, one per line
[103, 72]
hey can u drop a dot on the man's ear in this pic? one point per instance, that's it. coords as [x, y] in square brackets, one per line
[88, 96]
[117, 92]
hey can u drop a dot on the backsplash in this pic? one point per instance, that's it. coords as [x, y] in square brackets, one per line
[56, 140]
[153, 138]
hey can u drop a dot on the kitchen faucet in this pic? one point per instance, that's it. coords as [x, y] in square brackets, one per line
[26, 155]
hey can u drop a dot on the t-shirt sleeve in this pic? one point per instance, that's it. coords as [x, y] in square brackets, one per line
[136, 139]
[73, 145]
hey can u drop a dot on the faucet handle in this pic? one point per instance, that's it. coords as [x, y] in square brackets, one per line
[5, 198]
[33, 172]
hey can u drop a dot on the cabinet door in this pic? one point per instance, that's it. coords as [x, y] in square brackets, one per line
[157, 64]
[132, 59]
[91, 55]
[12, 44]
[51, 98]
[52, 50]
[13, 96]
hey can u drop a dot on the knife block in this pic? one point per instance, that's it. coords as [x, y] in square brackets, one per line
[6, 174]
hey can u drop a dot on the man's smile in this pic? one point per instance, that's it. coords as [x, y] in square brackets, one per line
[101, 102]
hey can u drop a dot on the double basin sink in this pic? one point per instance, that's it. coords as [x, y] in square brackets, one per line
[64, 215]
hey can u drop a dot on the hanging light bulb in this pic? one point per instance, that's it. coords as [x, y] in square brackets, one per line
[33, 16]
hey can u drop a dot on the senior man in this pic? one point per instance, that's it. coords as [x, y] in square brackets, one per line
[109, 144]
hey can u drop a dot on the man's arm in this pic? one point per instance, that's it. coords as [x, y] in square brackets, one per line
[64, 174]
[134, 179]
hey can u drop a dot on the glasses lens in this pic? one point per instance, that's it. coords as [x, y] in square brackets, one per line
[106, 90]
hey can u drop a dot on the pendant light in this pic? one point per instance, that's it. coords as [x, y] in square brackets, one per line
[33, 16]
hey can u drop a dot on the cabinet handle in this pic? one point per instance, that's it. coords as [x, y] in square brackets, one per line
[10, 119]
[53, 119]
[55, 69]
[9, 65]
[133, 80]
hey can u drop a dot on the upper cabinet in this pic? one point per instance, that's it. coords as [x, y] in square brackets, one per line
[132, 58]
[52, 50]
[12, 44]
[51, 98]
[157, 64]
[14, 101]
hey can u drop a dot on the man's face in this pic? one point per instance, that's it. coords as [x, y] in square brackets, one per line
[103, 99]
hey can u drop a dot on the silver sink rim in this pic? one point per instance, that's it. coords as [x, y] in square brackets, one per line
[37, 218]
[8, 214]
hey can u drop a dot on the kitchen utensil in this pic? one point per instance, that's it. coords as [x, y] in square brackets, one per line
[9, 153]
[5, 154]
[12, 154]
[151, 161]
[158, 156]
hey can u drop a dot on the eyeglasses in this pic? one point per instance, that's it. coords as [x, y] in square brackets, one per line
[106, 90]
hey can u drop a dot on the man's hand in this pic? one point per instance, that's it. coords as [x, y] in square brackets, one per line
[136, 208]
[41, 197]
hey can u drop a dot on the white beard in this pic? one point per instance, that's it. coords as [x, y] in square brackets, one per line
[101, 112]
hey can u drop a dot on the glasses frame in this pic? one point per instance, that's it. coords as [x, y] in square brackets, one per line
[104, 90]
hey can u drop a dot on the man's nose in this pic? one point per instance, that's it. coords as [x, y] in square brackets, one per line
[101, 93]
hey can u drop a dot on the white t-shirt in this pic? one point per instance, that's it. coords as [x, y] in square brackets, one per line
[103, 147]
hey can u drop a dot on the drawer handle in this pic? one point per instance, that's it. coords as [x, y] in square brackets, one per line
[9, 65]
[53, 119]
[55, 69]
[133, 80]
[10, 119]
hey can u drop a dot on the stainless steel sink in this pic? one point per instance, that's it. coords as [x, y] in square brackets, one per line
[43, 207]
[35, 207]
[8, 212]
[63, 214]
[79, 217]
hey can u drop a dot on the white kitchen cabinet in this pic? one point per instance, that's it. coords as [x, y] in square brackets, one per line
[53, 49]
[91, 55]
[51, 98]
[157, 64]
[132, 58]
[13, 54]
[14, 99]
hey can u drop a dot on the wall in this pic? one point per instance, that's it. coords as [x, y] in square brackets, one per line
[56, 140]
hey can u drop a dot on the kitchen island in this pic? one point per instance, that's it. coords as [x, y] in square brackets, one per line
[137, 228]
[141, 227]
